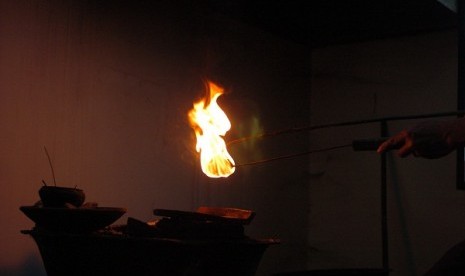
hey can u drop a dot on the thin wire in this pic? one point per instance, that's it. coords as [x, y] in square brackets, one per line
[348, 123]
[293, 155]
[51, 166]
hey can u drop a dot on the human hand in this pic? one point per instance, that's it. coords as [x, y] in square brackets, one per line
[431, 139]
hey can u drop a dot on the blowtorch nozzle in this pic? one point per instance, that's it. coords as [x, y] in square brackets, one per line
[367, 144]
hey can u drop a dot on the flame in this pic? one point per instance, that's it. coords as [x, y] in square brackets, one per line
[210, 123]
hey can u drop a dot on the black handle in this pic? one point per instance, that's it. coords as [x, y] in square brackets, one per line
[367, 144]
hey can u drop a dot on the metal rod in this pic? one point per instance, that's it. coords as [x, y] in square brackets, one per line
[348, 123]
[384, 220]
[293, 155]
[460, 85]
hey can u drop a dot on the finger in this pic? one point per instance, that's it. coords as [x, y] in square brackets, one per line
[383, 147]
[387, 145]
[394, 142]
[406, 150]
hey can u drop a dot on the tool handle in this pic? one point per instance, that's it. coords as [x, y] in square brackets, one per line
[367, 144]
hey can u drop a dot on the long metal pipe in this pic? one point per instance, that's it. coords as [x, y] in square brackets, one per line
[460, 84]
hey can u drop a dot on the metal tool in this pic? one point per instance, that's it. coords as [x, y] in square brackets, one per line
[368, 144]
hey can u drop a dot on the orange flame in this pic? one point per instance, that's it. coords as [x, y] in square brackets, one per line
[210, 123]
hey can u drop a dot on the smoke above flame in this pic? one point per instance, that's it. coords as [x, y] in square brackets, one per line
[210, 124]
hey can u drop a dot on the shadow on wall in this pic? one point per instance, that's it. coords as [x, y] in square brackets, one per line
[31, 266]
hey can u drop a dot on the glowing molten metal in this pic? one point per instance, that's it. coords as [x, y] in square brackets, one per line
[210, 123]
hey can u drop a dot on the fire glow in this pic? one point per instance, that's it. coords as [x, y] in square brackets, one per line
[210, 124]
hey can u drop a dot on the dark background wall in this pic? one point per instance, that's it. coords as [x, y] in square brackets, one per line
[106, 87]
[401, 76]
